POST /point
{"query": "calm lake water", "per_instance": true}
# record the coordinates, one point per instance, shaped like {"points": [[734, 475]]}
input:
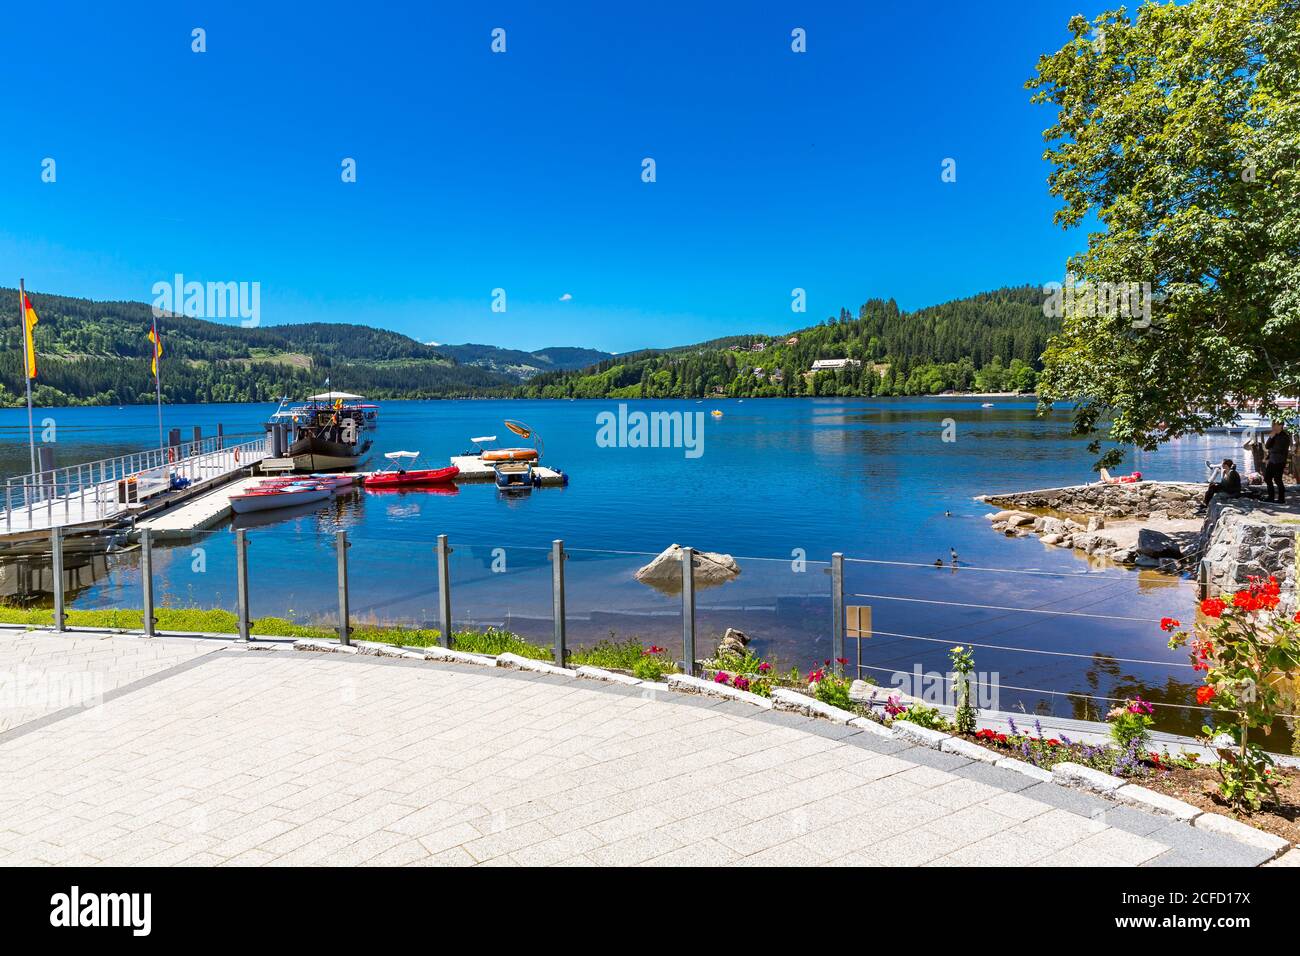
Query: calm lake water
{"points": [[778, 481]]}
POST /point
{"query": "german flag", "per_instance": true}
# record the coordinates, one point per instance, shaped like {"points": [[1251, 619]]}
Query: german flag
{"points": [[157, 346], [29, 323]]}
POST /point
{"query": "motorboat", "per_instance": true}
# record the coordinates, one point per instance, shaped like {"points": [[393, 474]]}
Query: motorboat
{"points": [[514, 475], [264, 499], [402, 475], [328, 439]]}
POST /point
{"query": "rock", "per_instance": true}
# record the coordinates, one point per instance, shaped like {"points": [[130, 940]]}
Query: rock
{"points": [[664, 573], [1096, 523], [1157, 544], [1145, 561], [733, 642], [1052, 539]]}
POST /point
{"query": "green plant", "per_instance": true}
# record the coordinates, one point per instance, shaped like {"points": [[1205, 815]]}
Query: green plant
{"points": [[609, 654], [830, 687], [652, 665], [1130, 725], [1250, 652], [924, 716], [963, 665], [493, 641]]}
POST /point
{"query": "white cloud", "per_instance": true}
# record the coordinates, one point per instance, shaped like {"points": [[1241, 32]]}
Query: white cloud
{"points": [[566, 297]]}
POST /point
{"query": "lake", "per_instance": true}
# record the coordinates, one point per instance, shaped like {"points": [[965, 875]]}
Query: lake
{"points": [[779, 484]]}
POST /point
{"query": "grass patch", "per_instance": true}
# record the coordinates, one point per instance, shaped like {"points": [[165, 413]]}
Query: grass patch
{"points": [[609, 655], [200, 620]]}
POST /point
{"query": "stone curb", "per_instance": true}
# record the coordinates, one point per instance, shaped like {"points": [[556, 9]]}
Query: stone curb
{"points": [[458, 657], [1077, 775], [918, 734], [791, 700], [528, 664], [1159, 802], [612, 677], [1218, 823], [873, 727], [685, 684], [1289, 858], [1025, 768], [964, 748]]}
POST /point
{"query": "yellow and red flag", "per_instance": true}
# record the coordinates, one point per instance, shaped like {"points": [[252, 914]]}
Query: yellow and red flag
{"points": [[157, 346], [29, 348]]}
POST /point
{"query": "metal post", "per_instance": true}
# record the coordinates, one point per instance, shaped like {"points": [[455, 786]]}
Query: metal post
{"points": [[837, 610], [56, 569], [688, 609], [341, 544], [146, 579], [444, 591], [241, 581], [557, 598]]}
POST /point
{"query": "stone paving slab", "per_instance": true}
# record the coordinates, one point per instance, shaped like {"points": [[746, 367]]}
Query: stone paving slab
{"points": [[42, 672], [327, 759]]}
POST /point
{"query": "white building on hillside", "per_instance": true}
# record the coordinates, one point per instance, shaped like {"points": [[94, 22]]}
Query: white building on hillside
{"points": [[825, 365]]}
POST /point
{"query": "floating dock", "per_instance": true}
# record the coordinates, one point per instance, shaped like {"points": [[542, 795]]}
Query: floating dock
{"points": [[197, 514], [474, 468]]}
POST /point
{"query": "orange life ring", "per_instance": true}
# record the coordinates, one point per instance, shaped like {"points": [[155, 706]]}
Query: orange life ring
{"points": [[236, 456], [510, 454], [171, 452]]}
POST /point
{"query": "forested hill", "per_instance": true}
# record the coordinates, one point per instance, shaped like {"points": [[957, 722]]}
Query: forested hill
{"points": [[96, 353], [987, 342]]}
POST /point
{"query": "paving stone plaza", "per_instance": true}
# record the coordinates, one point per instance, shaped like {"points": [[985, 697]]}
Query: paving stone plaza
{"points": [[199, 751]]}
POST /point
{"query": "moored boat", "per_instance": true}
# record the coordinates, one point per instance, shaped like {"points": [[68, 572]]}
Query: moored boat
{"points": [[514, 475], [402, 476], [264, 499]]}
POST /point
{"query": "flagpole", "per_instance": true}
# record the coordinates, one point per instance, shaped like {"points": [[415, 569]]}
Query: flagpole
{"points": [[157, 380], [27, 369]]}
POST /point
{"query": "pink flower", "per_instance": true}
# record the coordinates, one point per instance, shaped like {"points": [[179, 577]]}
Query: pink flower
{"points": [[741, 682], [764, 667], [721, 677]]}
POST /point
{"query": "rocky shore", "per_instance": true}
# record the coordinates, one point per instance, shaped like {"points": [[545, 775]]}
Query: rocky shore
{"points": [[1156, 525], [1145, 524]]}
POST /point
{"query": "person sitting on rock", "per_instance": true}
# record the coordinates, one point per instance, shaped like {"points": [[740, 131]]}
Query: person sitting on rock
{"points": [[1229, 484], [1108, 479]]}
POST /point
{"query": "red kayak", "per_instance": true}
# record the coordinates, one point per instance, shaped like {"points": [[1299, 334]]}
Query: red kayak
{"points": [[423, 476]]}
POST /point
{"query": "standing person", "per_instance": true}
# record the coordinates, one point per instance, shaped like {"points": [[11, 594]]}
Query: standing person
{"points": [[1278, 447]]}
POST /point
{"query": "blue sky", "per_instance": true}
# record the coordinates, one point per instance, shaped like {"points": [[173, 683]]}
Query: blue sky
{"points": [[522, 170]]}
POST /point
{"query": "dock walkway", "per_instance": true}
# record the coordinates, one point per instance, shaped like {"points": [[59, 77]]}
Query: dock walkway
{"points": [[474, 468], [112, 490]]}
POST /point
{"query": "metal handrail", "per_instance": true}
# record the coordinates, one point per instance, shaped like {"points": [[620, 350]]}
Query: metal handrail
{"points": [[89, 491]]}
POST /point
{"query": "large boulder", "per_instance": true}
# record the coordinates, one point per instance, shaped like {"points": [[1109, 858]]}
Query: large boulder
{"points": [[733, 643], [1157, 544], [664, 573]]}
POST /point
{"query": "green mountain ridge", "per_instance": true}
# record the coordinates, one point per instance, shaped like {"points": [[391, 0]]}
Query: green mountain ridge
{"points": [[989, 342], [96, 353]]}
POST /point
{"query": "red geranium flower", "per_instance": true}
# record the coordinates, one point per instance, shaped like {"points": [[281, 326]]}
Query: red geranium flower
{"points": [[1169, 623], [1212, 607], [1204, 694]]}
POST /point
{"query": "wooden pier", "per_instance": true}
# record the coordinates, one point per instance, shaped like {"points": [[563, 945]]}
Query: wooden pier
{"points": [[115, 491], [474, 468]]}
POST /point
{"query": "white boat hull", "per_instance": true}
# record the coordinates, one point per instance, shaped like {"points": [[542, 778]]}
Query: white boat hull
{"points": [[244, 504]]}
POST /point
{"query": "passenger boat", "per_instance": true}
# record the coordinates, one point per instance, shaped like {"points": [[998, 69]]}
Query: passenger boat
{"points": [[514, 475], [264, 499], [367, 413], [401, 475], [328, 438]]}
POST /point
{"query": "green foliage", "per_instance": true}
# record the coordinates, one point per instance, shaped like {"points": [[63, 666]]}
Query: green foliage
{"points": [[648, 663], [95, 353], [924, 716], [989, 342], [963, 665], [1177, 129], [493, 641], [1130, 726]]}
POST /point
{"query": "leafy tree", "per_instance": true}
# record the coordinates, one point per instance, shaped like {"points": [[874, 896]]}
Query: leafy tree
{"points": [[1178, 129]]}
